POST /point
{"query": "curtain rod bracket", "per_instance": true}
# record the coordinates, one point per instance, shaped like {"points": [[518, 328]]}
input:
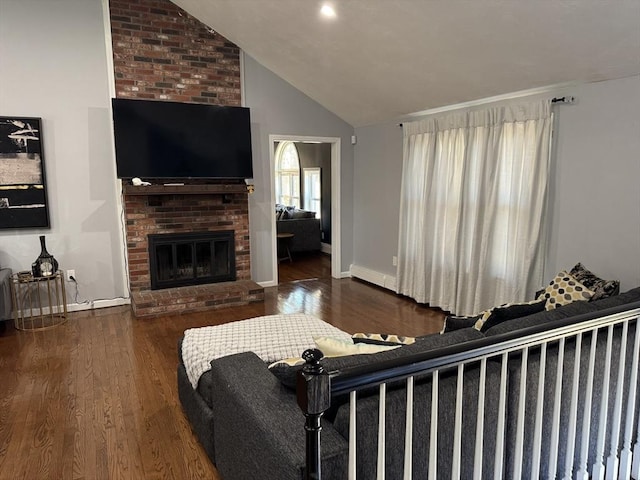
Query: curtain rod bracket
{"points": [[567, 99]]}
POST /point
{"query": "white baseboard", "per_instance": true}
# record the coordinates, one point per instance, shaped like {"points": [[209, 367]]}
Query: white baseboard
{"points": [[325, 248], [94, 304], [381, 279], [77, 307], [268, 283]]}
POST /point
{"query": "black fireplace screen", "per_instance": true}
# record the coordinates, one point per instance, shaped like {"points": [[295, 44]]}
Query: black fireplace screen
{"points": [[177, 260]]}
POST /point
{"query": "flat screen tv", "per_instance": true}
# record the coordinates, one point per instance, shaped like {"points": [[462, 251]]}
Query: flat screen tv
{"points": [[157, 139]]}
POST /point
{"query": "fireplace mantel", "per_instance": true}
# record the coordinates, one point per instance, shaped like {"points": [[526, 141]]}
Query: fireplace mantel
{"points": [[184, 189]]}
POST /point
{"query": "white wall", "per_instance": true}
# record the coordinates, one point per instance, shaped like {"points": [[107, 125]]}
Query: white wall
{"points": [[595, 190], [53, 65], [277, 108]]}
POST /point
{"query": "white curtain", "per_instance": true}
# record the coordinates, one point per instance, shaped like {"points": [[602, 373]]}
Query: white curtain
{"points": [[473, 200]]}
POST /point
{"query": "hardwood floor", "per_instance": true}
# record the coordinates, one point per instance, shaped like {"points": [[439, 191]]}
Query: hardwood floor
{"points": [[96, 398], [305, 266]]}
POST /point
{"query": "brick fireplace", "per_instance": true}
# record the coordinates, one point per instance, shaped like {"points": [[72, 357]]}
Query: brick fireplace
{"points": [[184, 209]]}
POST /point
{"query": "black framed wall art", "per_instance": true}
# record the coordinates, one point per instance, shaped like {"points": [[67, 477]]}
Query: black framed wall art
{"points": [[23, 193]]}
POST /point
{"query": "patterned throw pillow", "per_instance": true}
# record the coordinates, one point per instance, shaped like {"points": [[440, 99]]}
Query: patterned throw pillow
{"points": [[506, 312], [563, 290], [601, 288], [382, 339]]}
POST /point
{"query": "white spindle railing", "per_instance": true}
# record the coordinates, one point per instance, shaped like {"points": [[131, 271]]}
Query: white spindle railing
{"points": [[352, 435], [598, 468], [575, 448], [477, 460], [613, 460], [408, 433], [382, 424], [502, 408], [522, 404], [557, 400], [457, 431], [625, 454], [433, 432], [635, 469], [573, 411], [537, 432], [586, 419]]}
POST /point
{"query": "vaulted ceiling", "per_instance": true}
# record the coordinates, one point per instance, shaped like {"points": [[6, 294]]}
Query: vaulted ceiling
{"points": [[380, 59]]}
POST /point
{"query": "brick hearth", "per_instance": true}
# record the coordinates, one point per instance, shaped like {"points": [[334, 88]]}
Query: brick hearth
{"points": [[159, 209]]}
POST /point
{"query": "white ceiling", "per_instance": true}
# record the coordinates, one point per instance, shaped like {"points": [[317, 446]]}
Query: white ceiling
{"points": [[380, 59]]}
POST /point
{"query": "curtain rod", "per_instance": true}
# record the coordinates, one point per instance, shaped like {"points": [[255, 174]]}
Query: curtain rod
{"points": [[567, 99]]}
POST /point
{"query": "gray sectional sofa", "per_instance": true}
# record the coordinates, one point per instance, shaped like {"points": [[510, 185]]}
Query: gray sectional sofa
{"points": [[303, 224], [251, 427], [5, 298]]}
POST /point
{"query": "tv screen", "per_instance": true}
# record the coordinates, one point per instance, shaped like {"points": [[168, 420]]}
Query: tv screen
{"points": [[156, 139]]}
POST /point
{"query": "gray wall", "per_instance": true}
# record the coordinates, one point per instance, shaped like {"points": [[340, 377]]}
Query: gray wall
{"points": [[53, 64], [58, 70], [318, 155], [60, 63], [595, 195], [376, 192], [595, 216], [277, 108]]}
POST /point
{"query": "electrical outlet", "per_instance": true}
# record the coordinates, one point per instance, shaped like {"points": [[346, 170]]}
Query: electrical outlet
{"points": [[71, 273], [394, 260]]}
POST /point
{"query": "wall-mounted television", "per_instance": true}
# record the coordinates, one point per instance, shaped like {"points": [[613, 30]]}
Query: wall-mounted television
{"points": [[157, 139]]}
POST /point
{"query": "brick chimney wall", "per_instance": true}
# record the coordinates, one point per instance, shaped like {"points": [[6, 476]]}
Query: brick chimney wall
{"points": [[161, 52]]}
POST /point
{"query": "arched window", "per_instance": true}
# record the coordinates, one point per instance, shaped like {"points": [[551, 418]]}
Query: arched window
{"points": [[287, 175]]}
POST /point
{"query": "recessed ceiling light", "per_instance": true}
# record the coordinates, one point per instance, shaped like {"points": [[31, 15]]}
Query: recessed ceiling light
{"points": [[328, 11]]}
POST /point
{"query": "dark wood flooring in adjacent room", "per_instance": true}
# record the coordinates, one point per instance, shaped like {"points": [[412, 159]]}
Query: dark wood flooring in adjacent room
{"points": [[305, 266], [96, 398]]}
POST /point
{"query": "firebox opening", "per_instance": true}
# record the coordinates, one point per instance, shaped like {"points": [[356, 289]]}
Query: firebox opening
{"points": [[178, 260]]}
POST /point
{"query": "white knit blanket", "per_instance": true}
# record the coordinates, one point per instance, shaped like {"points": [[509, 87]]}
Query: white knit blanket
{"points": [[272, 338]]}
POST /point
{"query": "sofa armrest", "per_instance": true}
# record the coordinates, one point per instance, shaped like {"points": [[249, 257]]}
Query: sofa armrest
{"points": [[259, 428], [5, 294]]}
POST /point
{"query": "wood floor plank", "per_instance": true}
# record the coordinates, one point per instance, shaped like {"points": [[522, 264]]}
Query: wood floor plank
{"points": [[96, 397]]}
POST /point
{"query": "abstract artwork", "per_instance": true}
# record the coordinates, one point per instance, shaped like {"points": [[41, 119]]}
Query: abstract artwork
{"points": [[23, 195]]}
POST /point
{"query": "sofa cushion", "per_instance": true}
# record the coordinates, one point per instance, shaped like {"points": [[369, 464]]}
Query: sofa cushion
{"points": [[563, 290], [288, 374], [453, 323], [334, 347], [570, 310], [382, 339], [296, 214], [506, 312], [601, 288]]}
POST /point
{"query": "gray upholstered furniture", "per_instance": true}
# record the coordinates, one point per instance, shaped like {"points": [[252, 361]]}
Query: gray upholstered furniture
{"points": [[252, 428], [304, 226], [5, 298]]}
